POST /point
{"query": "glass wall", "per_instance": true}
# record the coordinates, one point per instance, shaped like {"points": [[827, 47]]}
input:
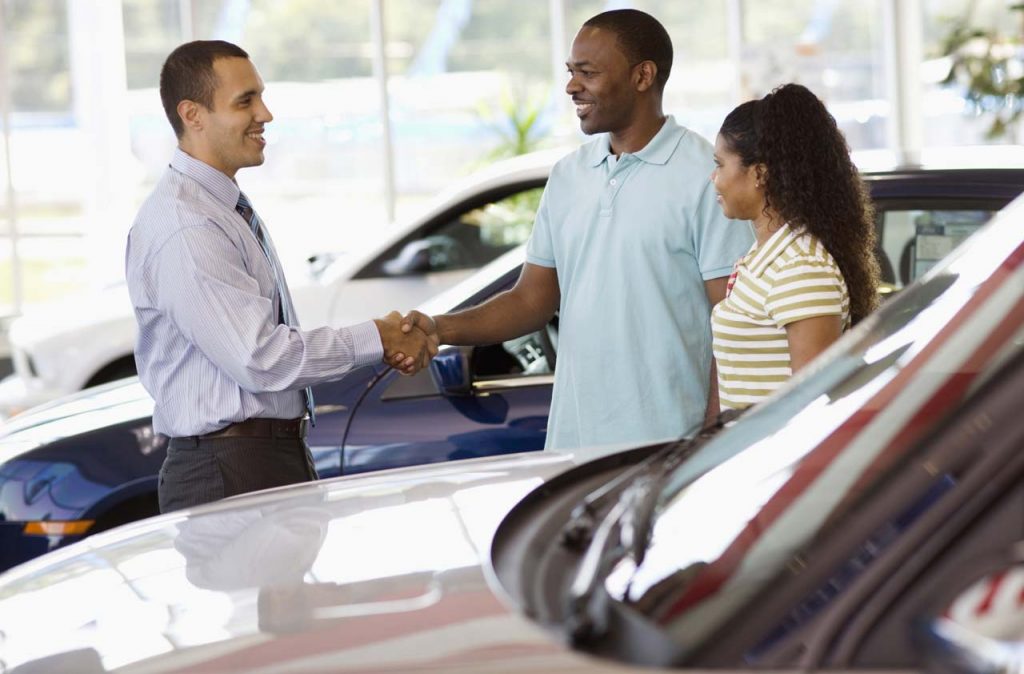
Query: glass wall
{"points": [[42, 198], [469, 81], [834, 48], [948, 118], [466, 78]]}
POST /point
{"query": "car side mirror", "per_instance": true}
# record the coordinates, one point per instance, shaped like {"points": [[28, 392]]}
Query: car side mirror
{"points": [[451, 372], [982, 630]]}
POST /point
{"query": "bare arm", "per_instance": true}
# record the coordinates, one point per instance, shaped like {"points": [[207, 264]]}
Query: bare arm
{"points": [[811, 336], [715, 289], [525, 308]]}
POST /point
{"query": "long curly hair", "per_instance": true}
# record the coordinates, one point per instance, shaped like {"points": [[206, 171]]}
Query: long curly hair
{"points": [[810, 181]]}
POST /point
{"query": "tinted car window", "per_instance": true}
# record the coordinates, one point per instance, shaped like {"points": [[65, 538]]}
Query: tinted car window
{"points": [[466, 240], [914, 240]]}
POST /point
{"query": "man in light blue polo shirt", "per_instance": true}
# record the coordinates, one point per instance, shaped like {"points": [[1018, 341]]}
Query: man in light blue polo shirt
{"points": [[631, 248]]}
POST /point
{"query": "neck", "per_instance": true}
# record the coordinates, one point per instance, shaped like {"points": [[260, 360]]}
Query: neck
{"points": [[637, 135], [194, 150], [766, 224]]}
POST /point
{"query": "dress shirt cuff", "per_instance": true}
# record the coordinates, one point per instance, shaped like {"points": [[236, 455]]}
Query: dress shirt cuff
{"points": [[366, 344]]}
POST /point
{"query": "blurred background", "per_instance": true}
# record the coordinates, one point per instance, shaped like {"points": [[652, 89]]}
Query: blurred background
{"points": [[380, 104]]}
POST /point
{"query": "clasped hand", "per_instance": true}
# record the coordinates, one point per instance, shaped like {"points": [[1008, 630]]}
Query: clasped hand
{"points": [[407, 350]]}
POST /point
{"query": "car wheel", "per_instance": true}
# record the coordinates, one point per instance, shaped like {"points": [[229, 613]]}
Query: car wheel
{"points": [[119, 369]]}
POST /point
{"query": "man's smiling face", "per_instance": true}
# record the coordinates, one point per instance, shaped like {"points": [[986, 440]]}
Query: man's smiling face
{"points": [[600, 82], [232, 131]]}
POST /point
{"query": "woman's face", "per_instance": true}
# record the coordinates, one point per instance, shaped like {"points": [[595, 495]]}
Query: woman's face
{"points": [[739, 193]]}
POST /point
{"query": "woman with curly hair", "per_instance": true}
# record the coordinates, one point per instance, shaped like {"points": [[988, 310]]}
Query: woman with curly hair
{"points": [[782, 163]]}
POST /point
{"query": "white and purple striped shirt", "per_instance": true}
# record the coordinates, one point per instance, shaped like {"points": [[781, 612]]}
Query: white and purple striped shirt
{"points": [[210, 349]]}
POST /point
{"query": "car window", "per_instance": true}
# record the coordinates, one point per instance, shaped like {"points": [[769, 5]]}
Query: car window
{"points": [[913, 240], [467, 239], [532, 354]]}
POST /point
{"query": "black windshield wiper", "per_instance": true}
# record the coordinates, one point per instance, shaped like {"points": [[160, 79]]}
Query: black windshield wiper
{"points": [[624, 530], [639, 520], [579, 530]]}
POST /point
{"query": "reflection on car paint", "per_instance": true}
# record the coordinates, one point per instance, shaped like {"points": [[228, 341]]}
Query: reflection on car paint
{"points": [[867, 552]]}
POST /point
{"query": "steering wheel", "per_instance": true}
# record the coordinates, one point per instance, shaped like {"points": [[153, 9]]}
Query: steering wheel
{"points": [[548, 338]]}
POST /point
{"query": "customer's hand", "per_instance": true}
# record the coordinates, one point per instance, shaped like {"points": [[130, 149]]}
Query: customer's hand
{"points": [[413, 322], [408, 351]]}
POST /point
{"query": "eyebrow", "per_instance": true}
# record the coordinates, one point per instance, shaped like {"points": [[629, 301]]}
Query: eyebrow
{"points": [[246, 94], [578, 64]]}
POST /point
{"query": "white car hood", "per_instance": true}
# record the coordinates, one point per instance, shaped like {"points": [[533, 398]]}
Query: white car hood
{"points": [[53, 321], [382, 573]]}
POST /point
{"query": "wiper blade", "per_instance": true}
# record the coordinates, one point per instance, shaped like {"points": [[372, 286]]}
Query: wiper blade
{"points": [[638, 521], [625, 529], [578, 531]]}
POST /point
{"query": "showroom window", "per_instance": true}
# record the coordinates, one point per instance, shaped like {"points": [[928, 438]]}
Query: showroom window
{"points": [[41, 203], [947, 118], [467, 82], [470, 82]]}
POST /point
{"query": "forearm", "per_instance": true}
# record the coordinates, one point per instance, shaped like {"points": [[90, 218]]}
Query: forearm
{"points": [[294, 358], [501, 318], [714, 404], [282, 358]]}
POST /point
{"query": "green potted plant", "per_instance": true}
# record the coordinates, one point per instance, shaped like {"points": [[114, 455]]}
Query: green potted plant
{"points": [[989, 65]]}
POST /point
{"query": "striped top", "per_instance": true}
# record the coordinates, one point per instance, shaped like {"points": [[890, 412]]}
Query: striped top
{"points": [[210, 348], [788, 279]]}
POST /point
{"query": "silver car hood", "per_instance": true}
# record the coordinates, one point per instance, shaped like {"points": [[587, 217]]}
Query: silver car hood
{"points": [[385, 573]]}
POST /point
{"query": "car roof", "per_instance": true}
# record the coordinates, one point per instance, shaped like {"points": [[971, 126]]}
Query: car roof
{"points": [[941, 158]]}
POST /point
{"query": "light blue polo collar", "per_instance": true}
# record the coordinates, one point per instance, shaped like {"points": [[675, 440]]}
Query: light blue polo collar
{"points": [[658, 151]]}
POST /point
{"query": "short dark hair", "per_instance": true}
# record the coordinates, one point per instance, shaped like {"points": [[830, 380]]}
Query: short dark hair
{"points": [[187, 75], [640, 36]]}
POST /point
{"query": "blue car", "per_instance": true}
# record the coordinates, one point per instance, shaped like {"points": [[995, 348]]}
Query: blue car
{"points": [[89, 462]]}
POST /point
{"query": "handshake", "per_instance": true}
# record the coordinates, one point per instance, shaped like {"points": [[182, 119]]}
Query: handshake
{"points": [[409, 342]]}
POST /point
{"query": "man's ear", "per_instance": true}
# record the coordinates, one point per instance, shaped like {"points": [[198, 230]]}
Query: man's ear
{"points": [[191, 116], [646, 75]]}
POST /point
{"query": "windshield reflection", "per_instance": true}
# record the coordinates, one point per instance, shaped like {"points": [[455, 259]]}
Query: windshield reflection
{"points": [[735, 515]]}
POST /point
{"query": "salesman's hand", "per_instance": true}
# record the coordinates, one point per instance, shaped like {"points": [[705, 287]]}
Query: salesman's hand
{"points": [[408, 351], [413, 322]]}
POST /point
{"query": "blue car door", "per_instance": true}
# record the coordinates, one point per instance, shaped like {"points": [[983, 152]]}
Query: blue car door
{"points": [[502, 409]]}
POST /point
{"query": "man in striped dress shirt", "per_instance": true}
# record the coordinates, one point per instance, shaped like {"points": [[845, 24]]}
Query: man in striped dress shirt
{"points": [[219, 348]]}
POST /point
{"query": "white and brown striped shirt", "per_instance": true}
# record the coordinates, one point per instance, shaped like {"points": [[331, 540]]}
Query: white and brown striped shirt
{"points": [[791, 277]]}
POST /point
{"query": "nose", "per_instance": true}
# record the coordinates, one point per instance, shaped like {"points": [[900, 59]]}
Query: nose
{"points": [[263, 113], [572, 86], [714, 175]]}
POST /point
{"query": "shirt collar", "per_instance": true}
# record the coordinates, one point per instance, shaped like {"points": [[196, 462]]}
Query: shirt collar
{"points": [[657, 151], [759, 259], [223, 188]]}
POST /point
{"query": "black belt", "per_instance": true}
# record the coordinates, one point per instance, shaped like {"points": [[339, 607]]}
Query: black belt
{"points": [[261, 428]]}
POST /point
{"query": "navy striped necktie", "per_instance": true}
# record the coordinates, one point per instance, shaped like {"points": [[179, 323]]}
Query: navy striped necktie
{"points": [[285, 312]]}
